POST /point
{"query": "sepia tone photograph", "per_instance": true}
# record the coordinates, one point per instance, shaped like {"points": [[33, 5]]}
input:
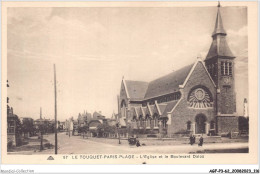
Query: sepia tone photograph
{"points": [[127, 80]]}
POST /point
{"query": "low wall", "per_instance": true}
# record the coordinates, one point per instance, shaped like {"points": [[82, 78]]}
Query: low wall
{"points": [[227, 124]]}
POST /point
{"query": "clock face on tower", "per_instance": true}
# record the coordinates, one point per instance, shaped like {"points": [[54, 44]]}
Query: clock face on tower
{"points": [[226, 80]]}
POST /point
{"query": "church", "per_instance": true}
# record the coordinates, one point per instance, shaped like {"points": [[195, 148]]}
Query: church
{"points": [[196, 99]]}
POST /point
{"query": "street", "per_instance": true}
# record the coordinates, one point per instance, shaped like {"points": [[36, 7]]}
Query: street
{"points": [[78, 145]]}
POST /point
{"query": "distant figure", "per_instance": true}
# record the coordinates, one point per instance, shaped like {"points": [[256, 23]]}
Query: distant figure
{"points": [[200, 141], [191, 140], [137, 143]]}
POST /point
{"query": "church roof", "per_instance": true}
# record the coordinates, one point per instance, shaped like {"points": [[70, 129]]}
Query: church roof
{"points": [[139, 111], [152, 108], [168, 83], [136, 89], [145, 109], [219, 46], [169, 107], [162, 107]]}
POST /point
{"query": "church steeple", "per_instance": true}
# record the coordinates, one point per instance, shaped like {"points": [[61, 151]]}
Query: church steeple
{"points": [[220, 65], [219, 46], [219, 29]]}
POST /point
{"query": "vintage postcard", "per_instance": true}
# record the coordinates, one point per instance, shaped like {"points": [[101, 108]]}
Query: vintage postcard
{"points": [[129, 83]]}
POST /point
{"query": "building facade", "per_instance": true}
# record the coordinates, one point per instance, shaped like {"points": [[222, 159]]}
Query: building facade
{"points": [[13, 128], [196, 99]]}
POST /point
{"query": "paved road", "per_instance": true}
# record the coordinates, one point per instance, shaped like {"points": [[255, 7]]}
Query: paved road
{"points": [[78, 145]]}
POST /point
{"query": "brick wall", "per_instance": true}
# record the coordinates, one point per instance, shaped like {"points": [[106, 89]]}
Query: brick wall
{"points": [[226, 97], [183, 113], [227, 124]]}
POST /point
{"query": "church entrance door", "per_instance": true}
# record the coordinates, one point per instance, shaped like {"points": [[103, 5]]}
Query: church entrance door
{"points": [[200, 124]]}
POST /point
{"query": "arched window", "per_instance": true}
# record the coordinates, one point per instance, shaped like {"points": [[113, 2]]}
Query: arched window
{"points": [[123, 108], [123, 103], [155, 120], [147, 120], [141, 120]]}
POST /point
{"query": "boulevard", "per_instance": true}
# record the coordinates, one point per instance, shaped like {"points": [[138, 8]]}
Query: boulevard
{"points": [[91, 145]]}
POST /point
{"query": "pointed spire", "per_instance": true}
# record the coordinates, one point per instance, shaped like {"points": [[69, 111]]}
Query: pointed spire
{"points": [[219, 29], [219, 46]]}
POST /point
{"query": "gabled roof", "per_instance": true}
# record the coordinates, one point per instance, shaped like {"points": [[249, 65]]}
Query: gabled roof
{"points": [[139, 111], [146, 111], [168, 83], [169, 107], [153, 109], [133, 111], [162, 107], [136, 89], [191, 71]]}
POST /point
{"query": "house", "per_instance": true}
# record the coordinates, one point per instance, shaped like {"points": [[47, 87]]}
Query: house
{"points": [[13, 128]]}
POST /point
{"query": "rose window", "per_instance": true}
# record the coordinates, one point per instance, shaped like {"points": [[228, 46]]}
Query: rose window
{"points": [[200, 98]]}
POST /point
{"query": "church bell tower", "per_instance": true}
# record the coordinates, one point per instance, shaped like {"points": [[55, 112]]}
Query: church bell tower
{"points": [[220, 65]]}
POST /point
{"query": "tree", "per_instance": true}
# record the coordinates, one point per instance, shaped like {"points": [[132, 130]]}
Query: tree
{"points": [[100, 130], [27, 126], [104, 129], [84, 130]]}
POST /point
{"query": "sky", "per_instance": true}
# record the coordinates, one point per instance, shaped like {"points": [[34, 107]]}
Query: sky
{"points": [[93, 48]]}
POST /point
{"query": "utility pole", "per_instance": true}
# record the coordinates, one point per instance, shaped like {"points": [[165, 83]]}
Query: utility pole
{"points": [[118, 128], [41, 129], [55, 101]]}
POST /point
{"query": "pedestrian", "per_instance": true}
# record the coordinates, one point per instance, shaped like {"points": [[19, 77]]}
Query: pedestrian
{"points": [[201, 141], [137, 143], [191, 139]]}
